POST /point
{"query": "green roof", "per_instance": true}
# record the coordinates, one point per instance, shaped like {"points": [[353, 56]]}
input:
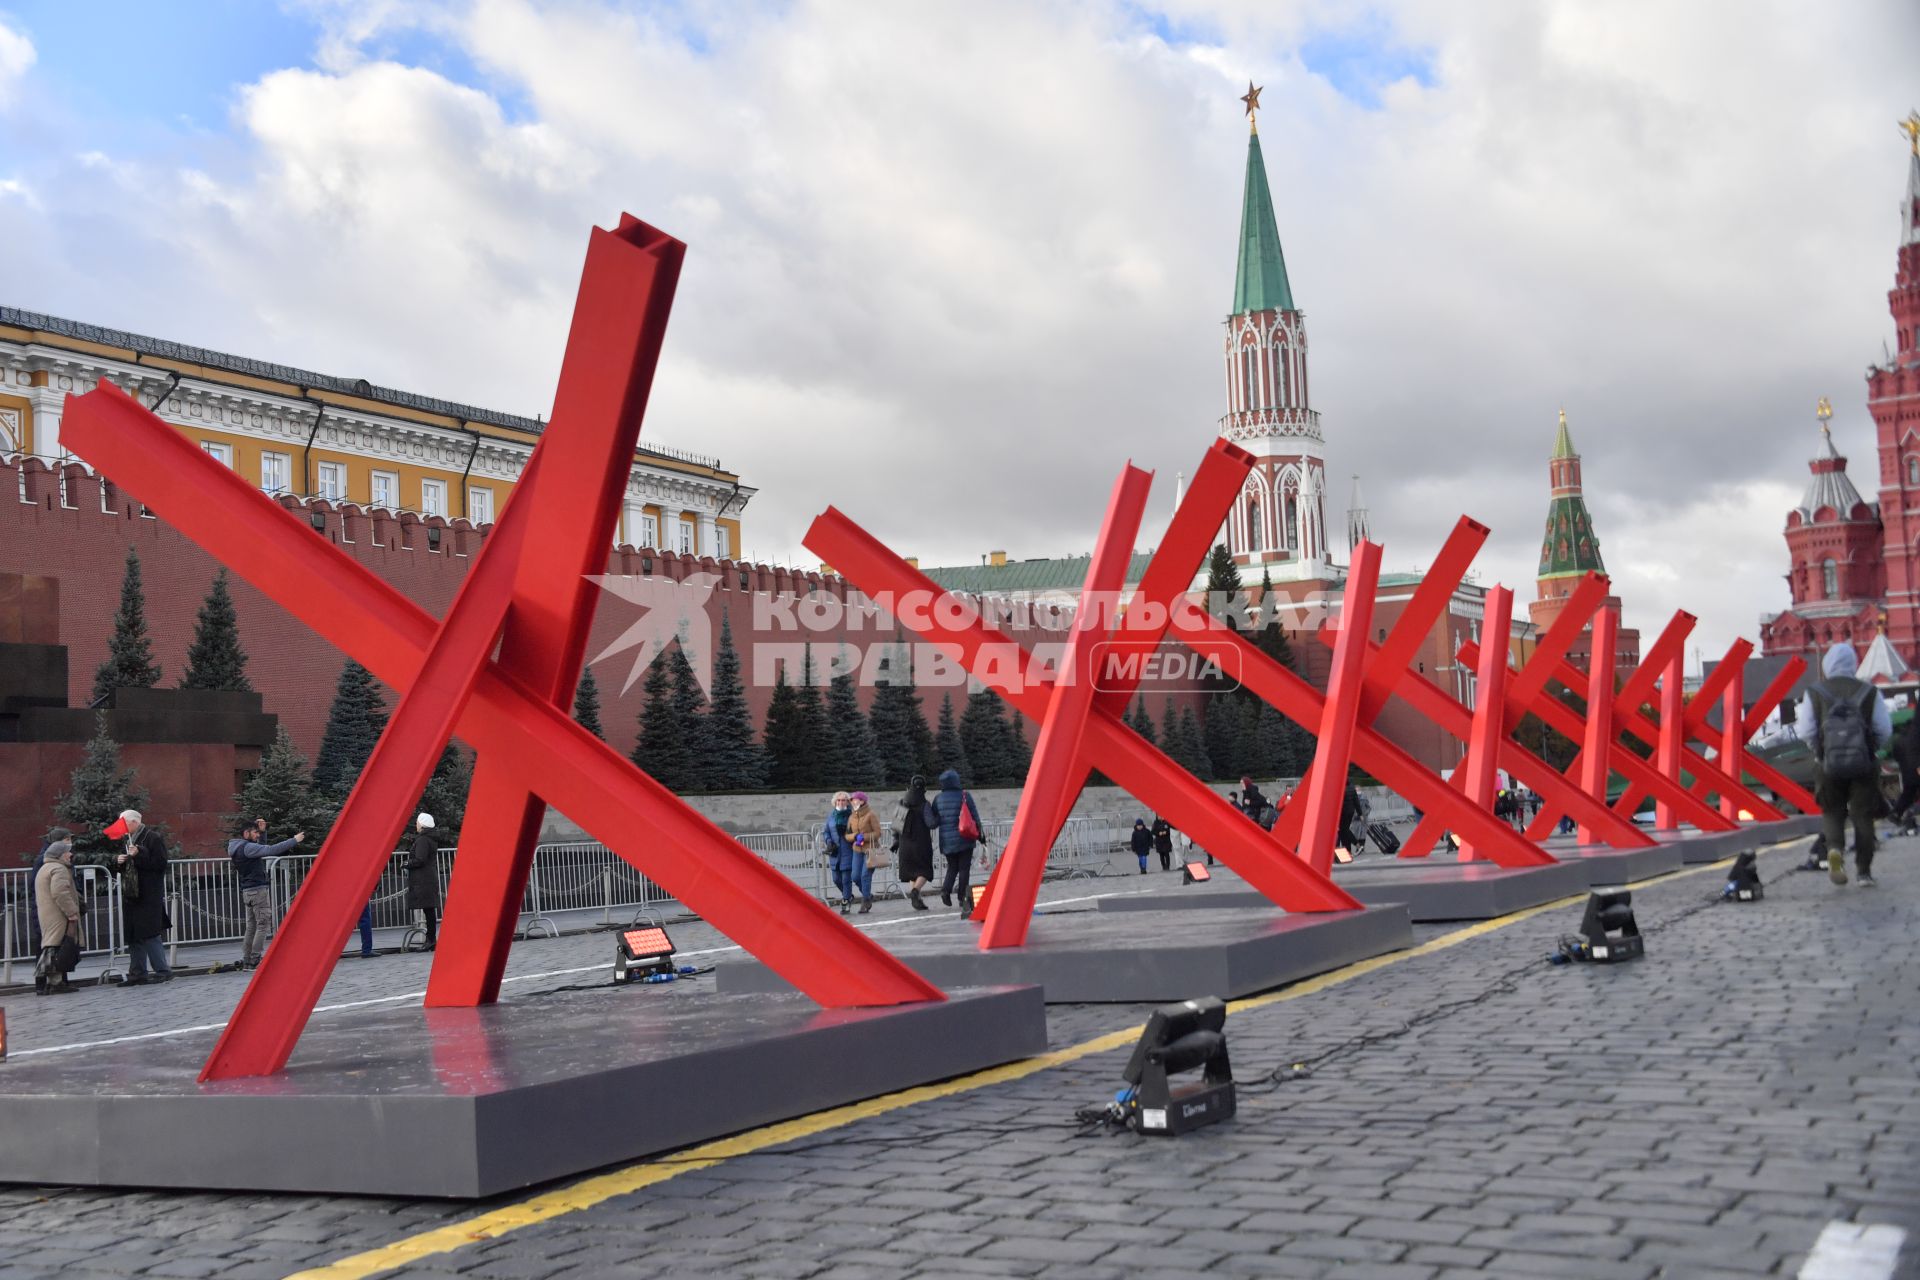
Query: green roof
{"points": [[1571, 547], [1260, 281], [1060, 573], [1563, 443]]}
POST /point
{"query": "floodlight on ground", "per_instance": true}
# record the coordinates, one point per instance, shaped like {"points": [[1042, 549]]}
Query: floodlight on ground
{"points": [[644, 951], [1194, 873], [1743, 882], [1189, 1036], [1608, 933]]}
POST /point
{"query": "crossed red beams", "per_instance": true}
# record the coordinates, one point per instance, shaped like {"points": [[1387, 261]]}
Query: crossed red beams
{"points": [[1081, 728], [527, 591]]}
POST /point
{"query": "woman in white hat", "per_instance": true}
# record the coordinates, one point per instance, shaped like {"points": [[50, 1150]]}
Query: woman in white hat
{"points": [[423, 876]]}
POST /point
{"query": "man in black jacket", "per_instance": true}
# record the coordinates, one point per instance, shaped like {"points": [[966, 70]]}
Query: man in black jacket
{"points": [[143, 898], [249, 855]]}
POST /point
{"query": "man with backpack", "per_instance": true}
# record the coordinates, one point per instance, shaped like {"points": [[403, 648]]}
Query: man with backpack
{"points": [[1845, 720]]}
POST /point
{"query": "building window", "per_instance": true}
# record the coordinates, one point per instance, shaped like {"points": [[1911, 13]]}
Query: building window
{"points": [[686, 538], [1913, 470], [479, 505], [386, 489], [433, 497], [1253, 525], [722, 543], [333, 481], [220, 453], [1830, 579], [1290, 515], [275, 470], [649, 531]]}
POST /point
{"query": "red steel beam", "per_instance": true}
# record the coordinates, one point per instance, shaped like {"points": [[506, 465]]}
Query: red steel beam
{"points": [[1666, 753], [619, 320], [1327, 779], [1111, 746], [1489, 711], [1599, 726], [1053, 779], [639, 820], [1733, 738], [1299, 701]]}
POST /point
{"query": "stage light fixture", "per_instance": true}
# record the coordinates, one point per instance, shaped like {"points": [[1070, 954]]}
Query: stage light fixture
{"points": [[1180, 1037], [645, 951], [1607, 931], [974, 894], [1743, 882], [1194, 872]]}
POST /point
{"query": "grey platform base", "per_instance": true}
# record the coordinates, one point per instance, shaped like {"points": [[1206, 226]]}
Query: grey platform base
{"points": [[1440, 891], [1606, 865], [1095, 957], [468, 1103], [1711, 846]]}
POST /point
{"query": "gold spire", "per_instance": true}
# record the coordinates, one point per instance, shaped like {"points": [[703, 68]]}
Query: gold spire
{"points": [[1252, 99], [1911, 127], [1563, 419], [1823, 410]]}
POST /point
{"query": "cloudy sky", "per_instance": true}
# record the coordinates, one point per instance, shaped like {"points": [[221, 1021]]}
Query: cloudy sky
{"points": [[950, 265]]}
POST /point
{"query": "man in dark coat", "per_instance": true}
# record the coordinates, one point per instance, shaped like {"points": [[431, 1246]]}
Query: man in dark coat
{"points": [[143, 912], [423, 876], [1163, 842], [944, 816]]}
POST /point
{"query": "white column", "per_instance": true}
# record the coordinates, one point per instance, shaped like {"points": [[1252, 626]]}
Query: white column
{"points": [[707, 534], [47, 405]]}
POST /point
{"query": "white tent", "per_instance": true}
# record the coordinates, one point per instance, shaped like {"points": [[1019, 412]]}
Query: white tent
{"points": [[1883, 665]]}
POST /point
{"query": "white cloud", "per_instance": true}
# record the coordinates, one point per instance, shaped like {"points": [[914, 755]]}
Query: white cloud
{"points": [[16, 59], [949, 266]]}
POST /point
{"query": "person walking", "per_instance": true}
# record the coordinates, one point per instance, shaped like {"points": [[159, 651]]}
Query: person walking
{"points": [[863, 831], [952, 813], [1142, 840], [57, 908], [249, 856], [838, 843], [1252, 799], [1845, 720], [913, 841], [1163, 841], [142, 868], [1906, 752], [423, 877]]}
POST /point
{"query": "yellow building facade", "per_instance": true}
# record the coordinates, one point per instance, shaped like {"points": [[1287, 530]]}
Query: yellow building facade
{"points": [[291, 431]]}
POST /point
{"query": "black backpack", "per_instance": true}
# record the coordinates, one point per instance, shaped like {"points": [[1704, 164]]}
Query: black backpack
{"points": [[1846, 737]]}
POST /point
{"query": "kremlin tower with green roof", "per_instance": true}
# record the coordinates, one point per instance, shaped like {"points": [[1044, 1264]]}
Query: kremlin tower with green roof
{"points": [[1570, 551], [1279, 522]]}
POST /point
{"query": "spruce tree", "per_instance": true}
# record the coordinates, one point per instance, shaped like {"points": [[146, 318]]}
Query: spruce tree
{"points": [[215, 660], [355, 722], [1222, 730], [788, 766], [983, 736], [1170, 731], [662, 749], [690, 708], [1142, 722], [586, 704], [948, 746], [900, 732], [1198, 762], [1019, 750], [445, 796], [810, 720], [280, 791], [734, 761], [129, 663], [1224, 588], [852, 760], [1270, 746], [96, 793]]}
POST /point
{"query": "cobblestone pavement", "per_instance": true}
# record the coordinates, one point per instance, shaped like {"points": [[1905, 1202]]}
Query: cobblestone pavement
{"points": [[1468, 1110]]}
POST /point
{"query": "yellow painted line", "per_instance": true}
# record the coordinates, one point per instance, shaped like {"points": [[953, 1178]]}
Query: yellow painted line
{"points": [[589, 1192]]}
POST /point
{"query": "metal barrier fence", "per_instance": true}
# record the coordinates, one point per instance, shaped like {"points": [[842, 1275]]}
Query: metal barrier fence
{"points": [[204, 898]]}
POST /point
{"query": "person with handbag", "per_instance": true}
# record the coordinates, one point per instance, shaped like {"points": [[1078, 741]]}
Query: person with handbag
{"points": [[837, 842], [863, 832], [142, 868], [953, 815], [57, 905]]}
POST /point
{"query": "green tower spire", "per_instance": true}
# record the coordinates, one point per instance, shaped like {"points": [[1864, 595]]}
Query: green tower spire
{"points": [[1571, 548], [1260, 282]]}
